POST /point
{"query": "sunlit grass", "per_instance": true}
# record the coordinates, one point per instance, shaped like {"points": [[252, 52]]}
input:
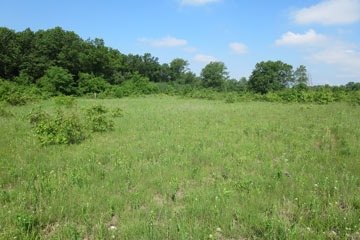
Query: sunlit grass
{"points": [[184, 168]]}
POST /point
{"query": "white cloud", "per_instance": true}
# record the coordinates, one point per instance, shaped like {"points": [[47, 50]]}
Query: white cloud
{"points": [[342, 55], [330, 12], [204, 58], [238, 48], [296, 39], [196, 2], [190, 49], [165, 42]]}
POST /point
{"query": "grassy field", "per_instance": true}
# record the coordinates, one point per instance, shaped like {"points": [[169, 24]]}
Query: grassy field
{"points": [[187, 169]]}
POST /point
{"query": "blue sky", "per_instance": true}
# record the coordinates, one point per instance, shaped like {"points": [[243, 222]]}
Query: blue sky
{"points": [[322, 35]]}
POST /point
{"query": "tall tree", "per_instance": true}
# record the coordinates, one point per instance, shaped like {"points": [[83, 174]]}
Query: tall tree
{"points": [[9, 53], [270, 76], [214, 75], [300, 75], [178, 67]]}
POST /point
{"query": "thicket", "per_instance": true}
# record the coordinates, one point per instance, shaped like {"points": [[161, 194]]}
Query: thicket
{"points": [[55, 62], [72, 126]]}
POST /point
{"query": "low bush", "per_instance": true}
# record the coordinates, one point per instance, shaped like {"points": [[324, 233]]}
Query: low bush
{"points": [[59, 129], [354, 98], [67, 101], [230, 98], [97, 119], [117, 112]]}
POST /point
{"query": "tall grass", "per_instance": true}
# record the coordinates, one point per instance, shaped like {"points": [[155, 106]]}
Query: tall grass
{"points": [[186, 169]]}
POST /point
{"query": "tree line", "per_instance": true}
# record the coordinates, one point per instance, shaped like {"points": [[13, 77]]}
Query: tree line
{"points": [[58, 62]]}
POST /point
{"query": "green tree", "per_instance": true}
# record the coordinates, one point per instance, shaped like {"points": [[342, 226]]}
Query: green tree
{"points": [[88, 83], [57, 81], [9, 53], [270, 76], [300, 75], [178, 67], [214, 75]]}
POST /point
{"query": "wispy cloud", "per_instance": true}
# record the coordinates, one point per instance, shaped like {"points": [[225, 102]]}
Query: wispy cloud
{"points": [[165, 42], [197, 2], [190, 49], [296, 39], [330, 12], [204, 58], [326, 50], [238, 48], [342, 55]]}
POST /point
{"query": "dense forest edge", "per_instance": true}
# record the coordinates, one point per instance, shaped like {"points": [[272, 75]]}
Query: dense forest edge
{"points": [[55, 62]]}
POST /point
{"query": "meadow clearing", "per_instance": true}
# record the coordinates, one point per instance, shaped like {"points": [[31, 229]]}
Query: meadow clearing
{"points": [[176, 168]]}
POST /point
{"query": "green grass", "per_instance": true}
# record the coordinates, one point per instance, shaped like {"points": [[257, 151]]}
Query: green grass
{"points": [[186, 169]]}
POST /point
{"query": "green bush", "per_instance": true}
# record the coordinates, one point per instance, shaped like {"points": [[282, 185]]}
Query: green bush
{"points": [[323, 97], [272, 97], [12, 93], [354, 98], [97, 120], [57, 81], [60, 129], [16, 98], [230, 98], [67, 101], [117, 112], [88, 83], [136, 85]]}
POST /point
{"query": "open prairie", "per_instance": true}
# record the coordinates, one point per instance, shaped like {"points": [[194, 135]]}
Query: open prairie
{"points": [[177, 168]]}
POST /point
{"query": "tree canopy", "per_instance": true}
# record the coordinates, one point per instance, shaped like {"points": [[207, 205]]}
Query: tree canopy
{"points": [[214, 75], [271, 76]]}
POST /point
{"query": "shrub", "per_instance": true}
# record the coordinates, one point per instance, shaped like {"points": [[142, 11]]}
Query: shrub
{"points": [[354, 98], [230, 98], [61, 129], [136, 85], [57, 81], [117, 112], [323, 97], [12, 93], [88, 83], [272, 97], [67, 101], [36, 115], [97, 119]]}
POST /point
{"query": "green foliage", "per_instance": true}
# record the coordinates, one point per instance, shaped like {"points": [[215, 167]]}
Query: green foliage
{"points": [[97, 120], [26, 223], [354, 98], [16, 98], [68, 101], [270, 76], [4, 112], [88, 83], [136, 85], [117, 112], [57, 81], [187, 168], [301, 76], [214, 75], [59, 129], [11, 93], [323, 97], [230, 97]]}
